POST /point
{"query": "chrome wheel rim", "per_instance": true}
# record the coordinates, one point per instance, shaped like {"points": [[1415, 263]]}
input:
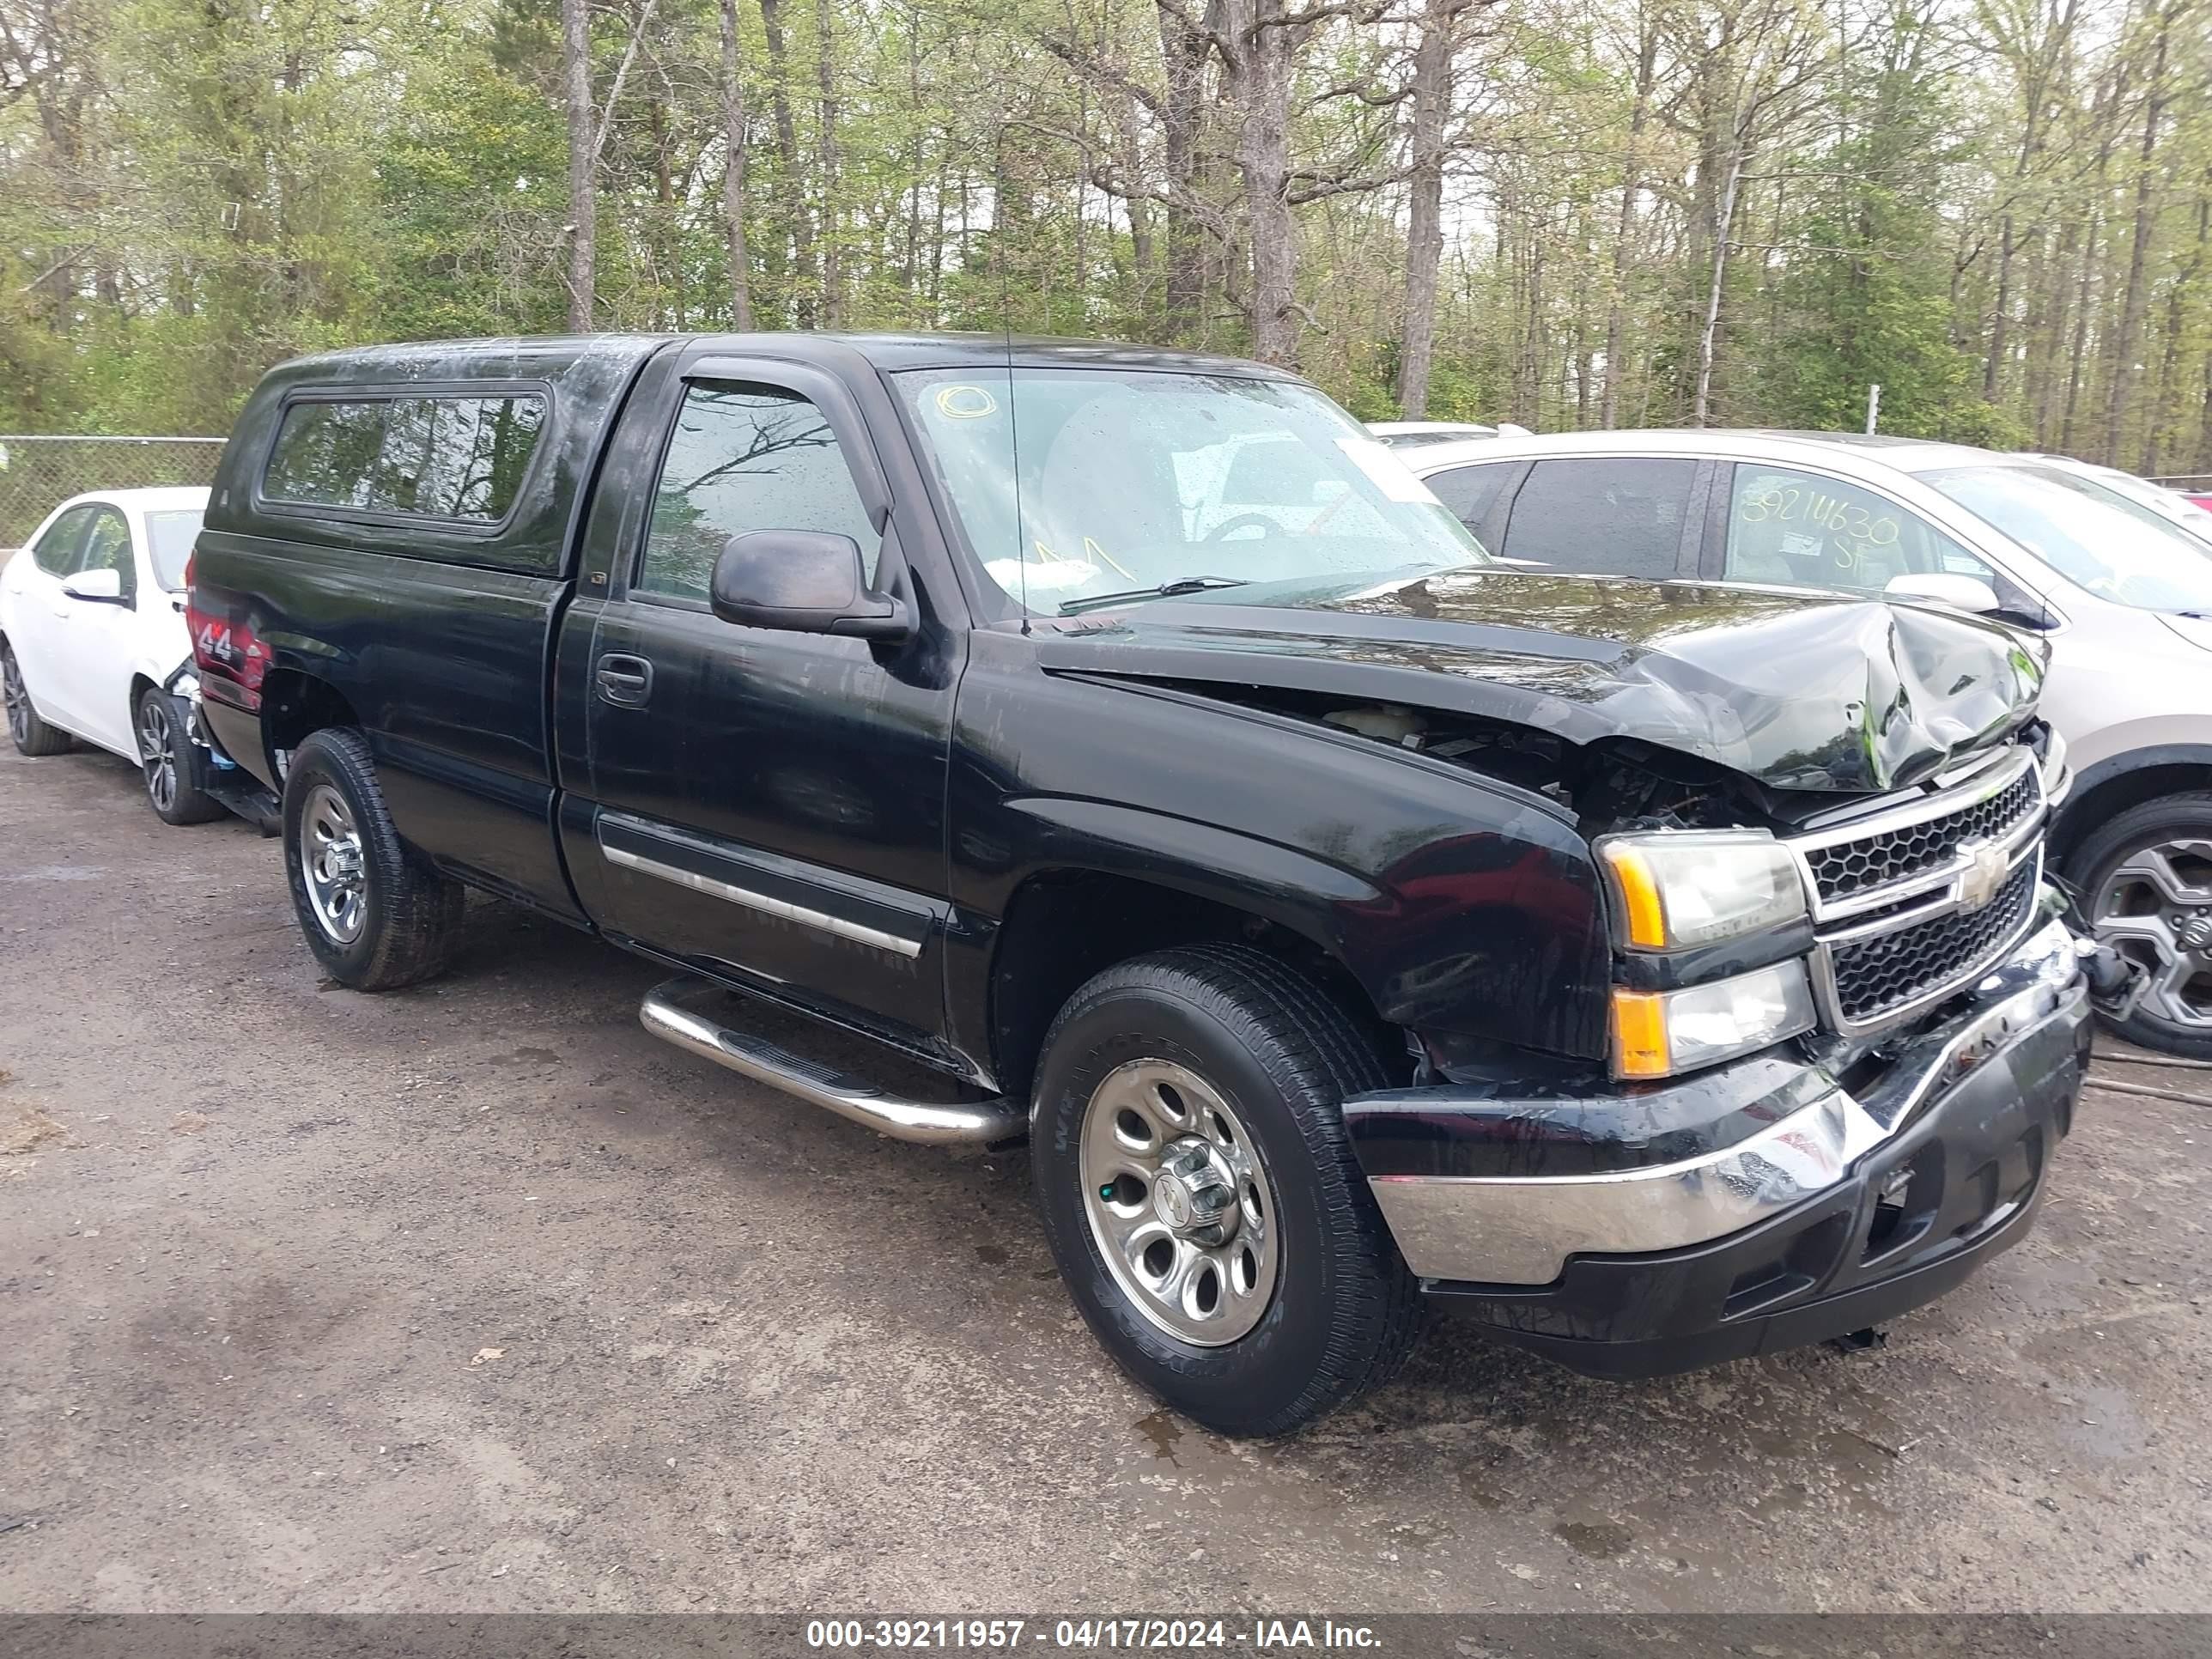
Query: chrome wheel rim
{"points": [[1179, 1202], [330, 856], [2155, 908], [157, 753], [18, 698]]}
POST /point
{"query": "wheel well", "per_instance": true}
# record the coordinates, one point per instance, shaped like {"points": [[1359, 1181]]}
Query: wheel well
{"points": [[1065, 927], [2083, 813], [295, 705], [140, 685]]}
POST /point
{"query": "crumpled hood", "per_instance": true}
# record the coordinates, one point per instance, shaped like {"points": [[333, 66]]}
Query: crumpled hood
{"points": [[1798, 691]]}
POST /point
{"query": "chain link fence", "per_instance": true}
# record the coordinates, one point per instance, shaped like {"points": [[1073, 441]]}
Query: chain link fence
{"points": [[37, 474]]}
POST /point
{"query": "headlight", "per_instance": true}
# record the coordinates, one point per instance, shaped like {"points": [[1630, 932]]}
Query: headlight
{"points": [[1659, 1033], [1694, 887]]}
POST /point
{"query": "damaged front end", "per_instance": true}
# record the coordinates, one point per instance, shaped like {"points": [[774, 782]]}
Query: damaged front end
{"points": [[1837, 1023], [1741, 1014], [1844, 1044], [1837, 1196]]}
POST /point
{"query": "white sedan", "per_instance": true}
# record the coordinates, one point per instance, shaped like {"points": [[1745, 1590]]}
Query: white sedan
{"points": [[93, 643]]}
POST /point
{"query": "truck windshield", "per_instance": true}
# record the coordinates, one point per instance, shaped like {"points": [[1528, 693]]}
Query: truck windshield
{"points": [[1131, 482], [2094, 536]]}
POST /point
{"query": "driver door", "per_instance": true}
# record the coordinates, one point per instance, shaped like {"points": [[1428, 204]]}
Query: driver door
{"points": [[768, 806]]}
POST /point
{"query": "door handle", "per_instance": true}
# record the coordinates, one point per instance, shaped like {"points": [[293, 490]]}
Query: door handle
{"points": [[625, 680]]}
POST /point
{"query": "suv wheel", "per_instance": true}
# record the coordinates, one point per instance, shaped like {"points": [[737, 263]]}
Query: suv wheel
{"points": [[375, 914], [170, 762], [1201, 1197], [32, 736], [2146, 886]]}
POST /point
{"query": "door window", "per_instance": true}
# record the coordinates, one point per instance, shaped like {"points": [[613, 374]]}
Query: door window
{"points": [[743, 457], [57, 550], [1610, 517], [1471, 491], [108, 547], [1805, 529]]}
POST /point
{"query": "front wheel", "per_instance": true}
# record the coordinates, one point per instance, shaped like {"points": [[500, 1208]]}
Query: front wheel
{"points": [[375, 914], [2145, 880], [171, 766], [32, 736], [1201, 1196]]}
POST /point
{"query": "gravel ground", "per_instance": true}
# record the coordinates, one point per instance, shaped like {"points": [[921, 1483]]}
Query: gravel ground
{"points": [[475, 1298]]}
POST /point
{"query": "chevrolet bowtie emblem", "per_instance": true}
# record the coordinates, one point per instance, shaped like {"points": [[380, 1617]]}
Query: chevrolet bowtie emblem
{"points": [[1985, 874]]}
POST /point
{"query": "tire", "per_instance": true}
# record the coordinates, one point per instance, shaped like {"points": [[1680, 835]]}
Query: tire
{"points": [[32, 736], [2121, 872], [377, 916], [1230, 1024], [170, 761]]}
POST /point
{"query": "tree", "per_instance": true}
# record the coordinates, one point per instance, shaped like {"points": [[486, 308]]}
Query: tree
{"points": [[733, 170], [1565, 211], [583, 226]]}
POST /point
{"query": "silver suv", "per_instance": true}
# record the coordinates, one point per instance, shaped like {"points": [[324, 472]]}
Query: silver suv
{"points": [[2123, 594]]}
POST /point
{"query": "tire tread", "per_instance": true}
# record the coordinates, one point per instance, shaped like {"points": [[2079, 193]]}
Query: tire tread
{"points": [[45, 739], [193, 804], [417, 912], [1262, 1003]]}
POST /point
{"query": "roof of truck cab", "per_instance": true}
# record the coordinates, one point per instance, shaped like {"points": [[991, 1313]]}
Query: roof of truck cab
{"points": [[431, 360], [898, 351], [436, 359]]}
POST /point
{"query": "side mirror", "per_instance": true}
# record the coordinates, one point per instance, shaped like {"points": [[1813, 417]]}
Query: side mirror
{"points": [[98, 587], [1946, 587], [803, 581]]}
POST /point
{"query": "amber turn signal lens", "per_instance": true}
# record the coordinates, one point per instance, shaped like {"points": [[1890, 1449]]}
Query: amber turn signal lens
{"points": [[1639, 1034], [1639, 894]]}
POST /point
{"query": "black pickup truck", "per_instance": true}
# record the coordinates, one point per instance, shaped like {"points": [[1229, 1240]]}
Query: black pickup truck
{"points": [[1661, 973]]}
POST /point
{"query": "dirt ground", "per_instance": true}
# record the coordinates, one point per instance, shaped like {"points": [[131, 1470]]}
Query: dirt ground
{"points": [[476, 1297]]}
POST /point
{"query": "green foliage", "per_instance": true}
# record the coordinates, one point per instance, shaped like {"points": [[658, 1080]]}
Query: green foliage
{"points": [[190, 190]]}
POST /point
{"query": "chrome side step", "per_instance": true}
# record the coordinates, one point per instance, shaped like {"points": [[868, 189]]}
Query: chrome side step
{"points": [[672, 1013]]}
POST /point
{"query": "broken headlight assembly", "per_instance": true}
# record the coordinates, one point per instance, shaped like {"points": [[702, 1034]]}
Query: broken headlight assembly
{"points": [[2058, 778], [1678, 890], [1688, 887]]}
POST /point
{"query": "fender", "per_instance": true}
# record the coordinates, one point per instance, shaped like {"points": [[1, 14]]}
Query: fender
{"points": [[157, 673], [1489, 935], [2076, 816], [1279, 883]]}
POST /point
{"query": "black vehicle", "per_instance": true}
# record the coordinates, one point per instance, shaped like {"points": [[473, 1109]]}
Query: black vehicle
{"points": [[1662, 974]]}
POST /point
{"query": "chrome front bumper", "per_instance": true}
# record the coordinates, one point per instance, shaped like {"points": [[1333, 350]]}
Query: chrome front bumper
{"points": [[1521, 1230]]}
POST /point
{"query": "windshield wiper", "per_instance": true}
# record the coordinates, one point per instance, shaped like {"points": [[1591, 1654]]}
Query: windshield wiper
{"points": [[1179, 585]]}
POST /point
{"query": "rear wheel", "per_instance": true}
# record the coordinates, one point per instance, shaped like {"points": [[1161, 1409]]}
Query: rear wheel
{"points": [[1201, 1197], [2146, 886], [376, 914], [170, 762], [32, 736]]}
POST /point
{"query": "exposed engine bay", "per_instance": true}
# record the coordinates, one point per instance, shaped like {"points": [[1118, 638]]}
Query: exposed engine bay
{"points": [[1617, 784]]}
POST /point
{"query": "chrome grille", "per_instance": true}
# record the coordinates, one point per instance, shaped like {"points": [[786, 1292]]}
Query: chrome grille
{"points": [[1847, 868], [1874, 979], [1913, 902]]}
